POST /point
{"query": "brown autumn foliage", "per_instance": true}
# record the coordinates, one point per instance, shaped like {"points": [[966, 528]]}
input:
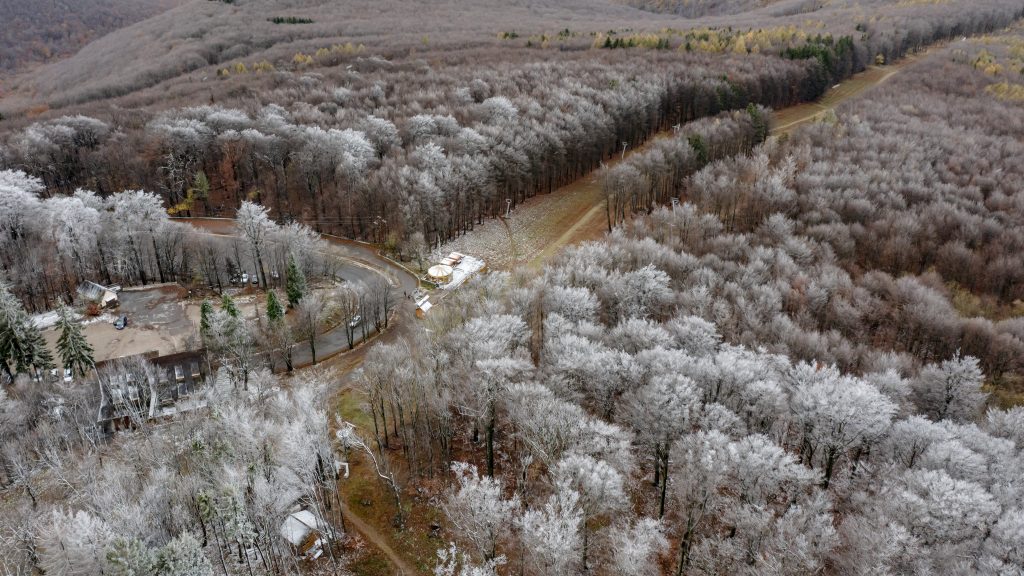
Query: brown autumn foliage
{"points": [[40, 32]]}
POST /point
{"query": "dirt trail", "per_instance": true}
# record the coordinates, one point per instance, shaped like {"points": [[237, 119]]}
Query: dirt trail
{"points": [[592, 223], [588, 227], [376, 539], [788, 119]]}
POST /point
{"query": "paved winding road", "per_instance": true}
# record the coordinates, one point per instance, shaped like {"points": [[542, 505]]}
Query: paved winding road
{"points": [[360, 263]]}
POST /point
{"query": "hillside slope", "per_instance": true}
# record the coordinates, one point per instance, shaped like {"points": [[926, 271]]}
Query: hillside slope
{"points": [[699, 8], [201, 35], [44, 30]]}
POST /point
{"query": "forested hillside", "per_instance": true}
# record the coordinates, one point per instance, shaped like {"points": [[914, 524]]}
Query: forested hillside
{"points": [[900, 228], [765, 378], [792, 353], [698, 8], [177, 49], [43, 30], [409, 153]]}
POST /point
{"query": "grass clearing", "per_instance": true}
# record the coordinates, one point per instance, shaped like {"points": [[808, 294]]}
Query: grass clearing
{"points": [[533, 229], [367, 497]]}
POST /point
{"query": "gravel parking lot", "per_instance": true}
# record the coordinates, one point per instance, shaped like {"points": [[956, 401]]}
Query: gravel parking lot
{"points": [[158, 320]]}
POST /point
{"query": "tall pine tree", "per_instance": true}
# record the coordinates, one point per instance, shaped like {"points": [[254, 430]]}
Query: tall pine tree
{"points": [[37, 355], [294, 283], [205, 314], [274, 310], [281, 333], [21, 344], [75, 352], [9, 309], [227, 304], [130, 557]]}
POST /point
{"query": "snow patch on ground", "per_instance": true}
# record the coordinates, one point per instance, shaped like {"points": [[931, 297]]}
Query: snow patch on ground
{"points": [[46, 319], [466, 268], [49, 319]]}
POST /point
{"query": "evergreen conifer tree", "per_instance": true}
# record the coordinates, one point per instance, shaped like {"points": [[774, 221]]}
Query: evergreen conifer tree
{"points": [[275, 313], [21, 344], [183, 556], [227, 304], [205, 313], [75, 352], [37, 356], [294, 283], [129, 557]]}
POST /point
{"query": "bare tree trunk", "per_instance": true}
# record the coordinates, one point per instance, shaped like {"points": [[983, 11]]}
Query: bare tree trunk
{"points": [[490, 440]]}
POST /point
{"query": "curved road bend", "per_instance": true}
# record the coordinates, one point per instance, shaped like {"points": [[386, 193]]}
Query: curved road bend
{"points": [[360, 263]]}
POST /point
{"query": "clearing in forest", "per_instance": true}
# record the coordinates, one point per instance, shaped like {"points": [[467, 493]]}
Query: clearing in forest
{"points": [[540, 227]]}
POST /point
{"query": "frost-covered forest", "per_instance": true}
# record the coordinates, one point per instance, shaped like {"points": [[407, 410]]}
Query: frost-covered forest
{"points": [[49, 245], [342, 138], [794, 351], [857, 232], [753, 382]]}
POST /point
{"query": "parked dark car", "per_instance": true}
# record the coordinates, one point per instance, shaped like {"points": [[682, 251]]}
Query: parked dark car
{"points": [[121, 322]]}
